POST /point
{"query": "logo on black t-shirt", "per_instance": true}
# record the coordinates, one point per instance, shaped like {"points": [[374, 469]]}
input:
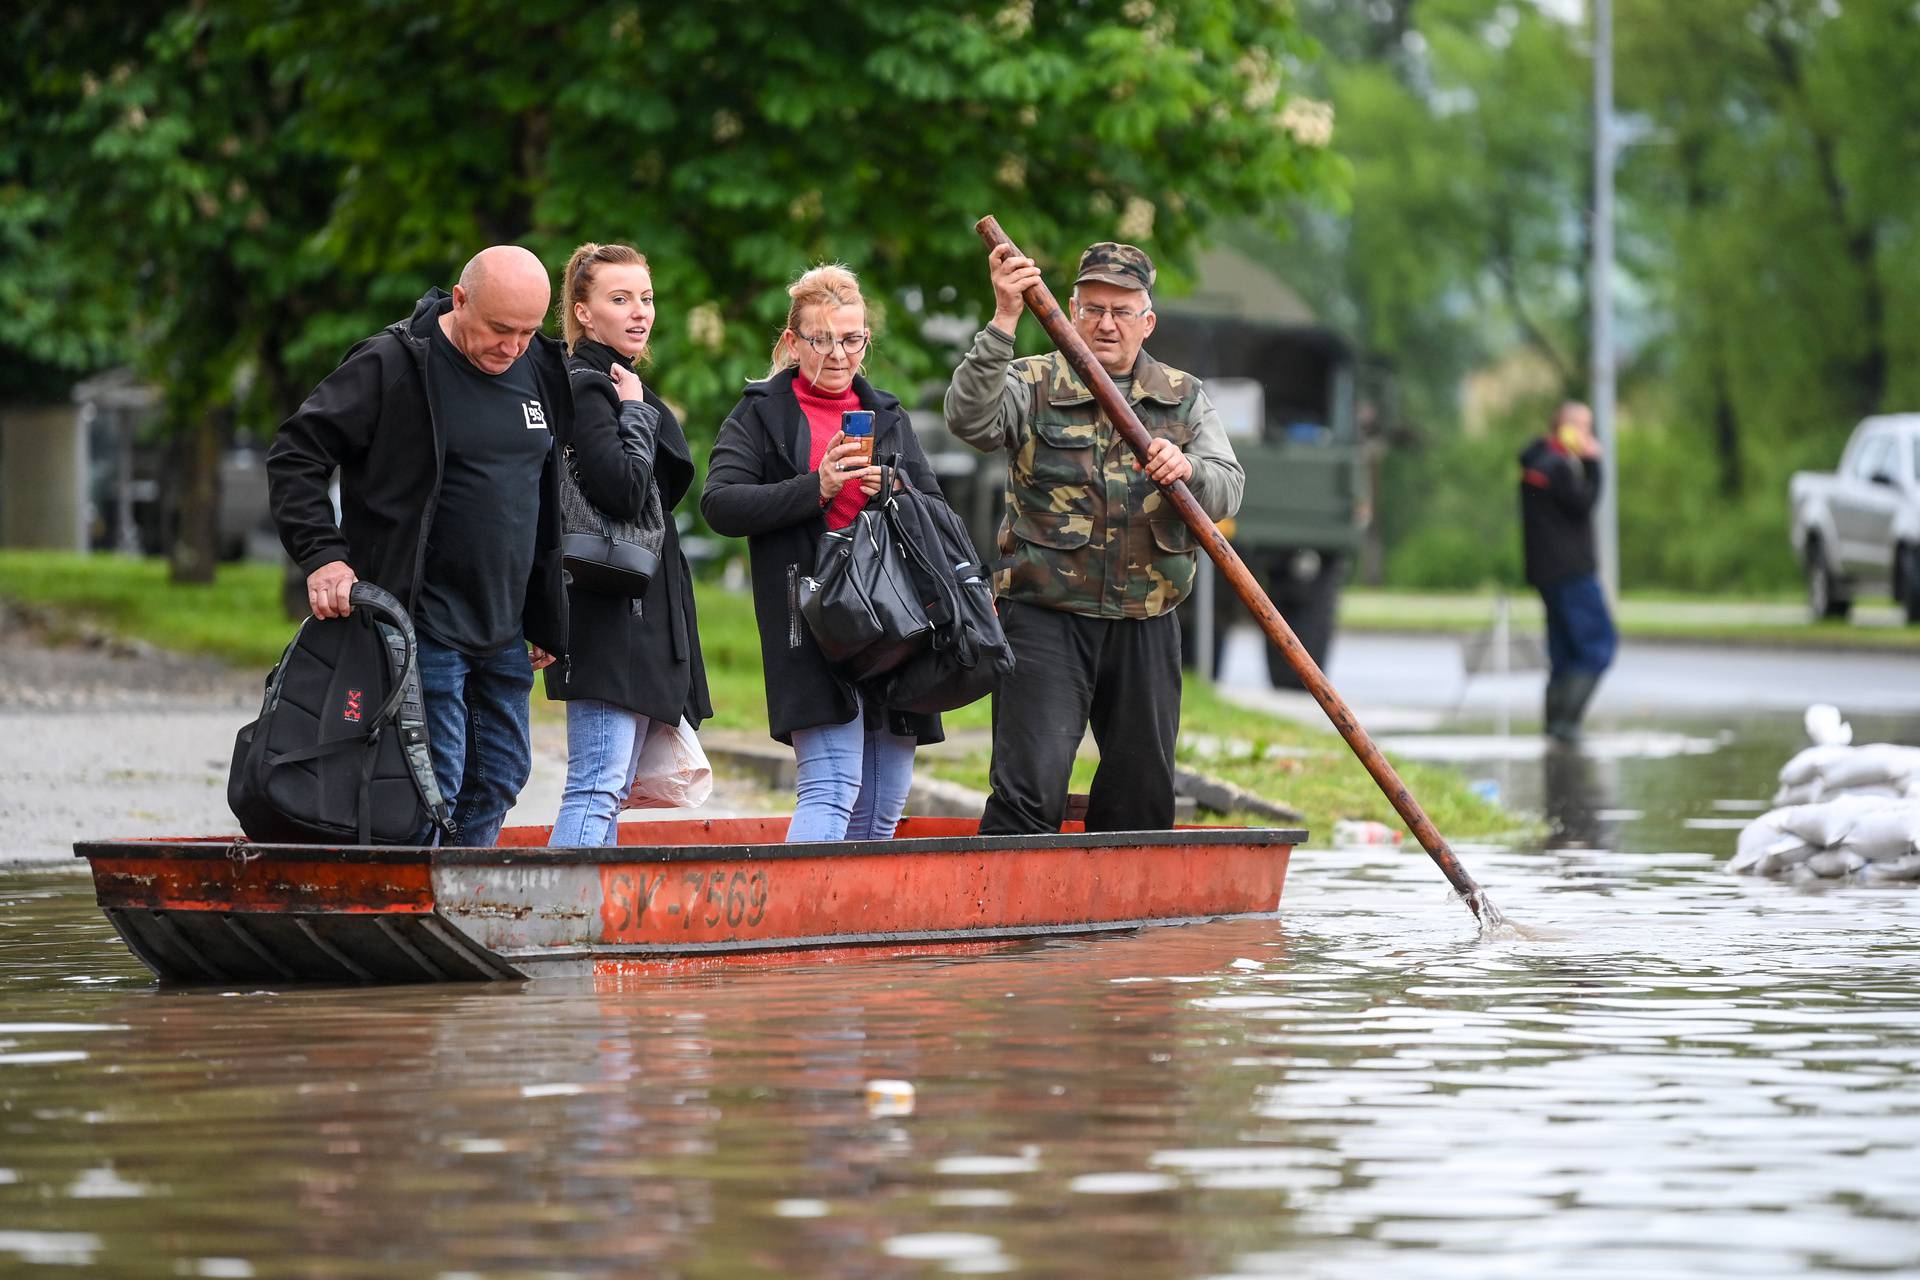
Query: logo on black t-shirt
{"points": [[536, 415]]}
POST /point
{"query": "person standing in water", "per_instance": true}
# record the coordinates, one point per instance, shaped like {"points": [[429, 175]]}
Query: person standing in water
{"points": [[1559, 484]]}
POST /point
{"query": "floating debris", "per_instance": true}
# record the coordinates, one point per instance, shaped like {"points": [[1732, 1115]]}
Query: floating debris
{"points": [[889, 1098]]}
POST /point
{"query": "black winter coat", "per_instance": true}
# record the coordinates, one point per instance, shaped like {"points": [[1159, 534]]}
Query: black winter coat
{"points": [[646, 660], [759, 487], [372, 418], [1557, 494]]}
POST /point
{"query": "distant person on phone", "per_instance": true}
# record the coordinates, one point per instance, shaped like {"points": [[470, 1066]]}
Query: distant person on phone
{"points": [[1559, 483], [782, 473], [442, 428]]}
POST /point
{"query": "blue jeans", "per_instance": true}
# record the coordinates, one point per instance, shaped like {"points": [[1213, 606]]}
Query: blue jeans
{"points": [[1580, 634], [851, 782], [603, 748], [477, 721]]}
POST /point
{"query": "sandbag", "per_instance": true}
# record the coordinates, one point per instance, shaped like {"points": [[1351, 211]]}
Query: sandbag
{"points": [[1820, 772], [1831, 864], [1831, 839], [1765, 849], [1827, 823], [1900, 869], [1885, 834]]}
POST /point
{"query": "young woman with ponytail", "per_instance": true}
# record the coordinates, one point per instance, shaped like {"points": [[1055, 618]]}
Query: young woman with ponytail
{"points": [[782, 474], [629, 663]]}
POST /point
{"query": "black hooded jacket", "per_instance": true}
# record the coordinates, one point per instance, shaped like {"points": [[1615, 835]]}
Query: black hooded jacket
{"points": [[647, 661], [373, 419], [761, 488], [1557, 493]]}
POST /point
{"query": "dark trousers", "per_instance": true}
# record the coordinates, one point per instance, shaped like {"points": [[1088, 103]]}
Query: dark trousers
{"points": [[1122, 676], [1580, 635]]}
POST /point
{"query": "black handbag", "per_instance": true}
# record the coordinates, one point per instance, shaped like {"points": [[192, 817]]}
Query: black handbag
{"points": [[861, 602], [598, 552], [968, 653]]}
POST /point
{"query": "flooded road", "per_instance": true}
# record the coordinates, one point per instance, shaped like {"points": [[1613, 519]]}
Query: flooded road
{"points": [[1700, 1075]]}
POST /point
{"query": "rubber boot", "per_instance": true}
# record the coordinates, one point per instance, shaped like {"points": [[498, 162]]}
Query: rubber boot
{"points": [[1567, 698], [1554, 718]]}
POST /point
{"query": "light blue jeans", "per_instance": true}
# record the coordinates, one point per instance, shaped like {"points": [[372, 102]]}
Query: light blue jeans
{"points": [[851, 782], [603, 748]]}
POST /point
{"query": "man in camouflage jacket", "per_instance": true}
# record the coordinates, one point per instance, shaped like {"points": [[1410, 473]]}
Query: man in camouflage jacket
{"points": [[1094, 556]]}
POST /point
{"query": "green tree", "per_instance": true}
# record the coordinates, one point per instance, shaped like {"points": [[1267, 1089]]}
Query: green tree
{"points": [[1770, 288], [1465, 124], [276, 178], [1781, 187], [158, 208], [1465, 239]]}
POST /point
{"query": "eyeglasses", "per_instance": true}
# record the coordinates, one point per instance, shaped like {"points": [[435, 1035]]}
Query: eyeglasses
{"points": [[1121, 315], [824, 343]]}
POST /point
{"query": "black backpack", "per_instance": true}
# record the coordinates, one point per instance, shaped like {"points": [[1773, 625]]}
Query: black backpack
{"points": [[968, 652], [339, 754]]}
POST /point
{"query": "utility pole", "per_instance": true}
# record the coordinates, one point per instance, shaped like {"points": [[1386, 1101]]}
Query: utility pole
{"points": [[1600, 306]]}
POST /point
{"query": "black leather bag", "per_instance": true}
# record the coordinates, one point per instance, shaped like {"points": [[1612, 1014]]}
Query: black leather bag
{"points": [[862, 602], [598, 552], [968, 652]]}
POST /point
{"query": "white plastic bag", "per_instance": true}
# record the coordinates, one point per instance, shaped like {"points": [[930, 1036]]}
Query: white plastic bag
{"points": [[673, 772]]}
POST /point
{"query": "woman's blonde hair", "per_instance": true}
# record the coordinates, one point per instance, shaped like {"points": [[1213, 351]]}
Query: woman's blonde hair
{"points": [[578, 284], [828, 285]]}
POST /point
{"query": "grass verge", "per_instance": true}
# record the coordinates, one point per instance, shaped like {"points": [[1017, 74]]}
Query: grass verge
{"points": [[238, 619]]}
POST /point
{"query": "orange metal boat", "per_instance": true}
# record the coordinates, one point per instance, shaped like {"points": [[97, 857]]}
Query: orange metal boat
{"points": [[671, 895]]}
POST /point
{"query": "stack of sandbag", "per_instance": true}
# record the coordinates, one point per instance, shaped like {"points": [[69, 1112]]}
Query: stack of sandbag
{"points": [[1876, 769], [1870, 837]]}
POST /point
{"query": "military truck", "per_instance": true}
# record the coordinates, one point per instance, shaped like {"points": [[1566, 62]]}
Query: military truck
{"points": [[1287, 395]]}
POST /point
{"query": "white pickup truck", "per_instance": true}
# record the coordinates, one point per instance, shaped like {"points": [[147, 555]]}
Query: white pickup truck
{"points": [[1857, 530]]}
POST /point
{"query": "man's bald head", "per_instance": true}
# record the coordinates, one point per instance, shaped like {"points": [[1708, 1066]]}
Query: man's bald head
{"points": [[1572, 413], [508, 265], [499, 304]]}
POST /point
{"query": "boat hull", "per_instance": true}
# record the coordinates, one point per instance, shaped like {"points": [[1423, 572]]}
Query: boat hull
{"points": [[671, 896]]}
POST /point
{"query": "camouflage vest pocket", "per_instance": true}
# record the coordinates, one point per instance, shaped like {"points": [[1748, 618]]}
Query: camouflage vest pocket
{"points": [[1062, 452], [1168, 576], [1061, 530], [1173, 536], [1054, 476]]}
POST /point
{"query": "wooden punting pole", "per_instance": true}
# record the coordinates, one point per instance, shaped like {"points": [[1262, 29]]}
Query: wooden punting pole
{"points": [[1040, 301]]}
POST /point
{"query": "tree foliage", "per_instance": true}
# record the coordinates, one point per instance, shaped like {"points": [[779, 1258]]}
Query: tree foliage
{"points": [[230, 194], [1767, 219]]}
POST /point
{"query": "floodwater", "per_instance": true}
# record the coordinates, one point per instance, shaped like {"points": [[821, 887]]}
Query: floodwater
{"points": [[1698, 1075]]}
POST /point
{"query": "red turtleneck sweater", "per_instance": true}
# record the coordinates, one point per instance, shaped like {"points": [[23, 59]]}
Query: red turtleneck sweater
{"points": [[823, 420]]}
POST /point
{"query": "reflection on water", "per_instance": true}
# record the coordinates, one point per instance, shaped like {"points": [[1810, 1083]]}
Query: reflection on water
{"points": [[1701, 1075], [1573, 796]]}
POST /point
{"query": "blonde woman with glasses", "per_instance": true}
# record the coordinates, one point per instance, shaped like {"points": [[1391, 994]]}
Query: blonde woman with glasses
{"points": [[782, 474]]}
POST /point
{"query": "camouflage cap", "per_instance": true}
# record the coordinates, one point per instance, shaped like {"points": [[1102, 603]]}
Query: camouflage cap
{"points": [[1121, 264]]}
